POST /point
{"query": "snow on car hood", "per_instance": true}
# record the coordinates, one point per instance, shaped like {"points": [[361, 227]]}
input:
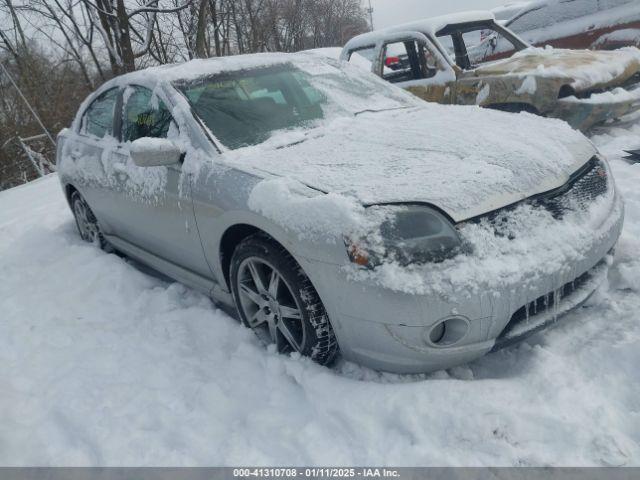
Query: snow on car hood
{"points": [[465, 160], [584, 68]]}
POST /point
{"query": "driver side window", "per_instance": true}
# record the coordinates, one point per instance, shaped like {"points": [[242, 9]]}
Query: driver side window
{"points": [[487, 45], [471, 46], [144, 115], [406, 61]]}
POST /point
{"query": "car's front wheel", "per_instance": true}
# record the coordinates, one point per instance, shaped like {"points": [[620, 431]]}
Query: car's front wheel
{"points": [[275, 298]]}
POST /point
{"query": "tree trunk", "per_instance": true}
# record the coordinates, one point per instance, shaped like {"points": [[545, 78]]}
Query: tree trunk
{"points": [[124, 38], [216, 27], [201, 30]]}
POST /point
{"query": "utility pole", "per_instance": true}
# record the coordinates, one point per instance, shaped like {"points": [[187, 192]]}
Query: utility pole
{"points": [[39, 162], [33, 112], [370, 12]]}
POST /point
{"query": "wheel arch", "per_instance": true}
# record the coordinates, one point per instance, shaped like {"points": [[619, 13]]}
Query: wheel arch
{"points": [[68, 191], [305, 254], [566, 91], [230, 239], [237, 232]]}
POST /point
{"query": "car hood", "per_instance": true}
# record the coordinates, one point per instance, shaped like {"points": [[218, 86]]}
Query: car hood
{"points": [[582, 69], [465, 160]]}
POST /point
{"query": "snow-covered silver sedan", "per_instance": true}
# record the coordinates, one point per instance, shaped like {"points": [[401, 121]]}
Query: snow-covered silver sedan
{"points": [[339, 214]]}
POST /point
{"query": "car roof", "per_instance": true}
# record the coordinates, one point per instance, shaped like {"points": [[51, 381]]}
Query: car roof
{"points": [[197, 68], [534, 5], [510, 10], [428, 25], [152, 77]]}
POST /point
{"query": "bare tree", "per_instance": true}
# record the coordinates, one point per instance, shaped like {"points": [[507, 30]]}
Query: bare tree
{"points": [[13, 38], [60, 50], [117, 25]]}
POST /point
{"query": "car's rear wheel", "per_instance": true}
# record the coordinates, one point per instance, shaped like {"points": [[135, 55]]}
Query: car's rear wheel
{"points": [[275, 298], [86, 221]]}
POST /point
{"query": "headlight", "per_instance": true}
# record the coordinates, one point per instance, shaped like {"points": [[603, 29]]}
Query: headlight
{"points": [[606, 168], [408, 234]]}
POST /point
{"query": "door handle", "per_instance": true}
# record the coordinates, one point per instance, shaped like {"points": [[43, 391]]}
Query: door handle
{"points": [[121, 171]]}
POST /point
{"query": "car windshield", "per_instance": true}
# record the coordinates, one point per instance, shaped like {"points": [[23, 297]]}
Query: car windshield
{"points": [[246, 107]]}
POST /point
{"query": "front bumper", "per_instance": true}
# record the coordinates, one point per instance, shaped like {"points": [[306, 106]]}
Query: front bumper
{"points": [[388, 330], [583, 114]]}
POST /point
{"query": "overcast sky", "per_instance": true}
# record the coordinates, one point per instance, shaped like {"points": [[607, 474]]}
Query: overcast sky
{"points": [[390, 12]]}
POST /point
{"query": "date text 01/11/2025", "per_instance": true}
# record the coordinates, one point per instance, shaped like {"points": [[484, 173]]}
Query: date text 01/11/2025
{"points": [[316, 473]]}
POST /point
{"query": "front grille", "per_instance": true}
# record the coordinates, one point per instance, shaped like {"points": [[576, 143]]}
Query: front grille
{"points": [[585, 186], [588, 185], [542, 305]]}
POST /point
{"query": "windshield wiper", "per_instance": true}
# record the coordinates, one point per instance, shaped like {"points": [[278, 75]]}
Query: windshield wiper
{"points": [[382, 110], [292, 144]]}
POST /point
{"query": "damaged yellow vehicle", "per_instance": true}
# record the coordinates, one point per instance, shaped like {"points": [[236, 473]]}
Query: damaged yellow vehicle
{"points": [[470, 59]]}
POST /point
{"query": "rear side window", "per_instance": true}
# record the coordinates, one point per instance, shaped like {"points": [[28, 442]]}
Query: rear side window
{"points": [[552, 14], [144, 115], [98, 118], [486, 45]]}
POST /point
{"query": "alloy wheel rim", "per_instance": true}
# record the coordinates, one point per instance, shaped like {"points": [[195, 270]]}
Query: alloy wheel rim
{"points": [[269, 306], [87, 228]]}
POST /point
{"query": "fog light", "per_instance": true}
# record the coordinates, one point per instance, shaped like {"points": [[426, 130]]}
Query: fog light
{"points": [[448, 332], [436, 333]]}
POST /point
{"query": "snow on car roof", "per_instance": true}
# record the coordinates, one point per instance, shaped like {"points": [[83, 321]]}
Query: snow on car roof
{"points": [[623, 13], [508, 11], [197, 68], [533, 5], [151, 77], [428, 25]]}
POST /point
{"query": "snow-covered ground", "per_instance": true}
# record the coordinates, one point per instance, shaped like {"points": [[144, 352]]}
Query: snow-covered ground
{"points": [[104, 364]]}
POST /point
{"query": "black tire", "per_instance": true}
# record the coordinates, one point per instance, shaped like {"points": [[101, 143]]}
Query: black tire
{"points": [[311, 334], [86, 221]]}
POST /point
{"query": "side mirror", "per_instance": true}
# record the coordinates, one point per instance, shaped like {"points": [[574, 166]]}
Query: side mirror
{"points": [[155, 152]]}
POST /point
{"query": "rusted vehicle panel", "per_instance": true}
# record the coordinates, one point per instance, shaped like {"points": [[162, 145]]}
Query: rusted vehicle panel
{"points": [[469, 59], [579, 24]]}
